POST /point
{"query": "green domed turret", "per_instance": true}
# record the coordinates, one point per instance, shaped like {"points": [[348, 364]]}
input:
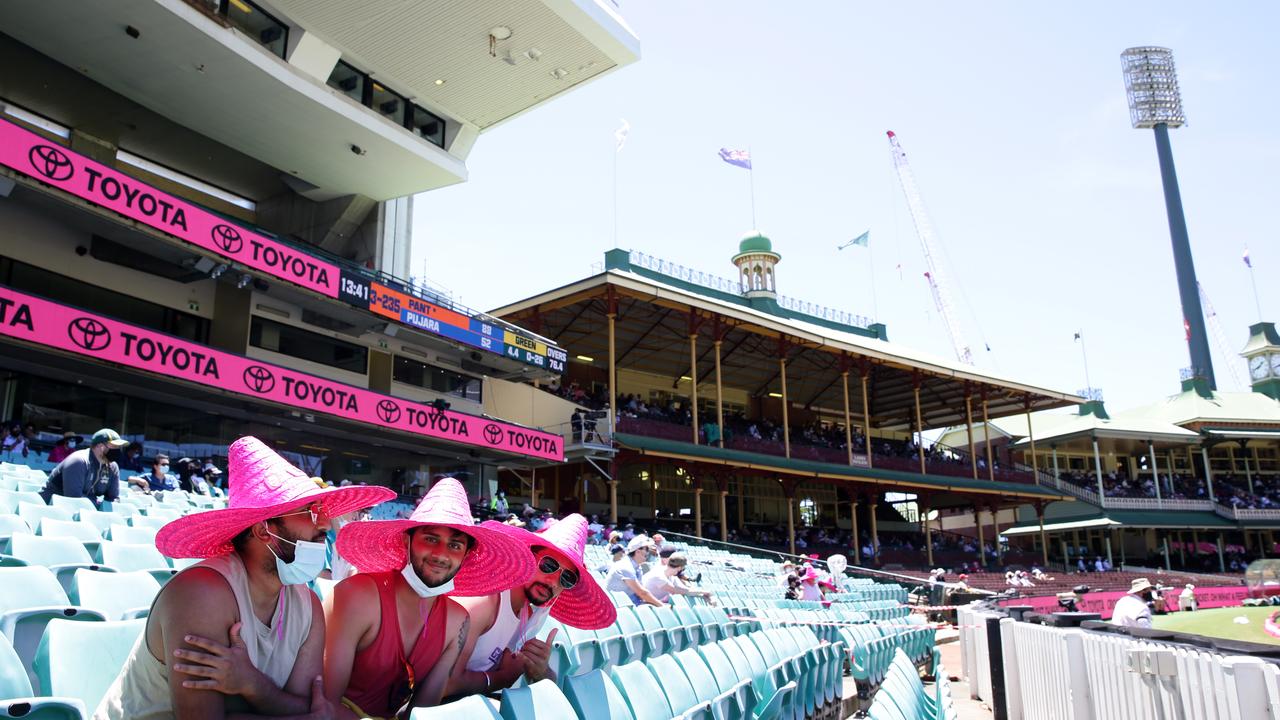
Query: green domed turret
{"points": [[754, 241]]}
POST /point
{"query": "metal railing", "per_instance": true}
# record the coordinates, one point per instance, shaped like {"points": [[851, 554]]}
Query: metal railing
{"points": [[736, 287]]}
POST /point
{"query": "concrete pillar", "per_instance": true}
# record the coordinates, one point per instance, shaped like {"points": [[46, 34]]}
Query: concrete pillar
{"points": [[724, 516], [791, 524], [857, 545], [613, 502], [977, 520], [875, 533]]}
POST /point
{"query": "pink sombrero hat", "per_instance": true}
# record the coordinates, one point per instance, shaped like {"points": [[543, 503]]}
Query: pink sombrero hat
{"points": [[496, 561], [263, 485], [585, 607]]}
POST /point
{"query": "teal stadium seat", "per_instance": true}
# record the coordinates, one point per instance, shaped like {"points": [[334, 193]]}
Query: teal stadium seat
{"points": [[118, 596], [74, 504], [9, 525], [472, 707], [133, 535], [62, 555], [594, 695], [34, 514], [29, 598], [88, 657], [99, 519], [18, 700], [726, 704], [681, 696], [774, 696], [540, 701], [643, 694], [127, 557]]}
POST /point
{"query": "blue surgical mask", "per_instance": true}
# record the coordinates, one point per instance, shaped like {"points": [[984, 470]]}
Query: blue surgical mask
{"points": [[164, 469], [308, 561]]}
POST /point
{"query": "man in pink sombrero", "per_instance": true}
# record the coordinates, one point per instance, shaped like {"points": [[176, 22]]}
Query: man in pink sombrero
{"points": [[240, 633], [502, 645], [394, 637]]}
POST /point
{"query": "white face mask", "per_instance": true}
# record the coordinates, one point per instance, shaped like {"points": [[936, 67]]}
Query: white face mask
{"points": [[308, 561], [419, 587]]}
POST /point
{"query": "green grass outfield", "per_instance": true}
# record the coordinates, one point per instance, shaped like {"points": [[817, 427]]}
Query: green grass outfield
{"points": [[1219, 623]]}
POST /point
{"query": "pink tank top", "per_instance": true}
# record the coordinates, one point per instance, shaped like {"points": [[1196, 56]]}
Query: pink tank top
{"points": [[381, 675]]}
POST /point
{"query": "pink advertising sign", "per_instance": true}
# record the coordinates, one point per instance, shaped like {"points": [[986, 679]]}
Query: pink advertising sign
{"points": [[1104, 602], [35, 320], [30, 154]]}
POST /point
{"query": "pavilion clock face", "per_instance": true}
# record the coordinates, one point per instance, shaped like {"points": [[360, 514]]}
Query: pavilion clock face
{"points": [[1275, 365], [1258, 366]]}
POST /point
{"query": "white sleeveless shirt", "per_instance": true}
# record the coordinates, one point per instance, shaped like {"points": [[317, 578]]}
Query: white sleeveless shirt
{"points": [[509, 632], [141, 691]]}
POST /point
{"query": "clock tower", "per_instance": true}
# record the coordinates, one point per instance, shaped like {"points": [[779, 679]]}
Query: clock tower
{"points": [[1262, 353]]}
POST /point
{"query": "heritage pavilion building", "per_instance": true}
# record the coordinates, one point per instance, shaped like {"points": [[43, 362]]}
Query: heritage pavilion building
{"points": [[1190, 475], [782, 411]]}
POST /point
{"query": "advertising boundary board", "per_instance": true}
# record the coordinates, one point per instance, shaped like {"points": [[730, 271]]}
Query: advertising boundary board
{"points": [[1104, 602], [65, 169], [58, 166], [50, 324]]}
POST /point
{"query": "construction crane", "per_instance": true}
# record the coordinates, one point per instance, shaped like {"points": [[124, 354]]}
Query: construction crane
{"points": [[1215, 329], [924, 228]]}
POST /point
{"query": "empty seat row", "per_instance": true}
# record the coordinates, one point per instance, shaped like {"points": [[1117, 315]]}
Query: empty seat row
{"points": [[761, 676], [904, 697]]}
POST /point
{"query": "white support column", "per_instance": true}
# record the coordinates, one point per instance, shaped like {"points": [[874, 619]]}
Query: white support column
{"points": [[1208, 473], [1155, 473], [1097, 470]]}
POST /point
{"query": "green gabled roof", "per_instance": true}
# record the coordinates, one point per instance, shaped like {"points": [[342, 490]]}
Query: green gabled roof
{"points": [[813, 468], [1079, 513]]}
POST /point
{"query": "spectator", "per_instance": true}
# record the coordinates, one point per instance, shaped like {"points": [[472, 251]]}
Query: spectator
{"points": [[131, 459], [159, 480], [207, 622], [408, 567], [15, 443], [90, 472], [663, 581], [64, 446], [502, 645], [595, 529], [625, 574], [617, 552], [207, 484], [809, 589], [659, 542], [1132, 610]]}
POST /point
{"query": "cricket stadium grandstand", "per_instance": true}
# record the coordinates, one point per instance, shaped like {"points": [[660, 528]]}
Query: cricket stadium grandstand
{"points": [[206, 209]]}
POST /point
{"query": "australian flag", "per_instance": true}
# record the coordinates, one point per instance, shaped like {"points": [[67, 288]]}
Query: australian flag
{"points": [[741, 158]]}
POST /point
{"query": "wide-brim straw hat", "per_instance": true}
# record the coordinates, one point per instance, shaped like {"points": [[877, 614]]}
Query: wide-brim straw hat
{"points": [[585, 606], [263, 486], [495, 563], [1140, 584]]}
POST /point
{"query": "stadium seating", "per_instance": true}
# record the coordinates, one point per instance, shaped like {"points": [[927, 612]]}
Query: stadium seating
{"points": [[118, 596], [30, 597], [904, 697], [18, 700], [88, 657]]}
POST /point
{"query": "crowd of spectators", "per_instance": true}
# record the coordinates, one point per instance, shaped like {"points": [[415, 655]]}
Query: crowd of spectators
{"points": [[1118, 484], [1234, 490]]}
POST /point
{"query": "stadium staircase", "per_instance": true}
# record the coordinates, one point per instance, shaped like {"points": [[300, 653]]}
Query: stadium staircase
{"points": [[76, 584]]}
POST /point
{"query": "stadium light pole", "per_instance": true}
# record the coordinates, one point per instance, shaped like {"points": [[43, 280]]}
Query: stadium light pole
{"points": [[1151, 82]]}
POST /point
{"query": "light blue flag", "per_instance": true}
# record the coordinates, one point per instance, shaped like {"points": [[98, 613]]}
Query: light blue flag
{"points": [[860, 241]]}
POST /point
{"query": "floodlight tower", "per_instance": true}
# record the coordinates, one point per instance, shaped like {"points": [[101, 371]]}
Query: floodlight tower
{"points": [[1151, 82]]}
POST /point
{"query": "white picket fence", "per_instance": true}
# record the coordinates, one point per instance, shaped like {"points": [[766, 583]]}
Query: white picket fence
{"points": [[1072, 674]]}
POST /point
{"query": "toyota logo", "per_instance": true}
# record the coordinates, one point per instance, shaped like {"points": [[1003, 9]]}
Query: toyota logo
{"points": [[259, 379], [227, 238], [51, 162], [493, 434], [89, 334], [388, 411]]}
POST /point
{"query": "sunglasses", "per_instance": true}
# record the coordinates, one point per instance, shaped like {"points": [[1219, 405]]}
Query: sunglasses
{"points": [[548, 565], [317, 513]]}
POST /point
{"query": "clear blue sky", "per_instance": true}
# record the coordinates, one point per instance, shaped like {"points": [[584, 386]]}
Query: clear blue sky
{"points": [[1047, 202]]}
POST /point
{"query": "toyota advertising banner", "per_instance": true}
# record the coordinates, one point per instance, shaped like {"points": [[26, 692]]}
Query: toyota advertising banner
{"points": [[43, 322], [30, 154]]}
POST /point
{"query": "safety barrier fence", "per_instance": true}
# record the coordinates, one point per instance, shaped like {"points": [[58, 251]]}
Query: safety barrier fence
{"points": [[1031, 671]]}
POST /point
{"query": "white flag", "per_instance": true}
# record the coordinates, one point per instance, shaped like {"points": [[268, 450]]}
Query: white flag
{"points": [[621, 134]]}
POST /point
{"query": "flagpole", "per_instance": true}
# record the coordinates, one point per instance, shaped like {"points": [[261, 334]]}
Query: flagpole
{"points": [[1254, 282], [1085, 357], [615, 195], [875, 301], [751, 174]]}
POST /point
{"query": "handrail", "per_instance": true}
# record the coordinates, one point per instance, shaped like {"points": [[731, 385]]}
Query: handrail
{"points": [[896, 577]]}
